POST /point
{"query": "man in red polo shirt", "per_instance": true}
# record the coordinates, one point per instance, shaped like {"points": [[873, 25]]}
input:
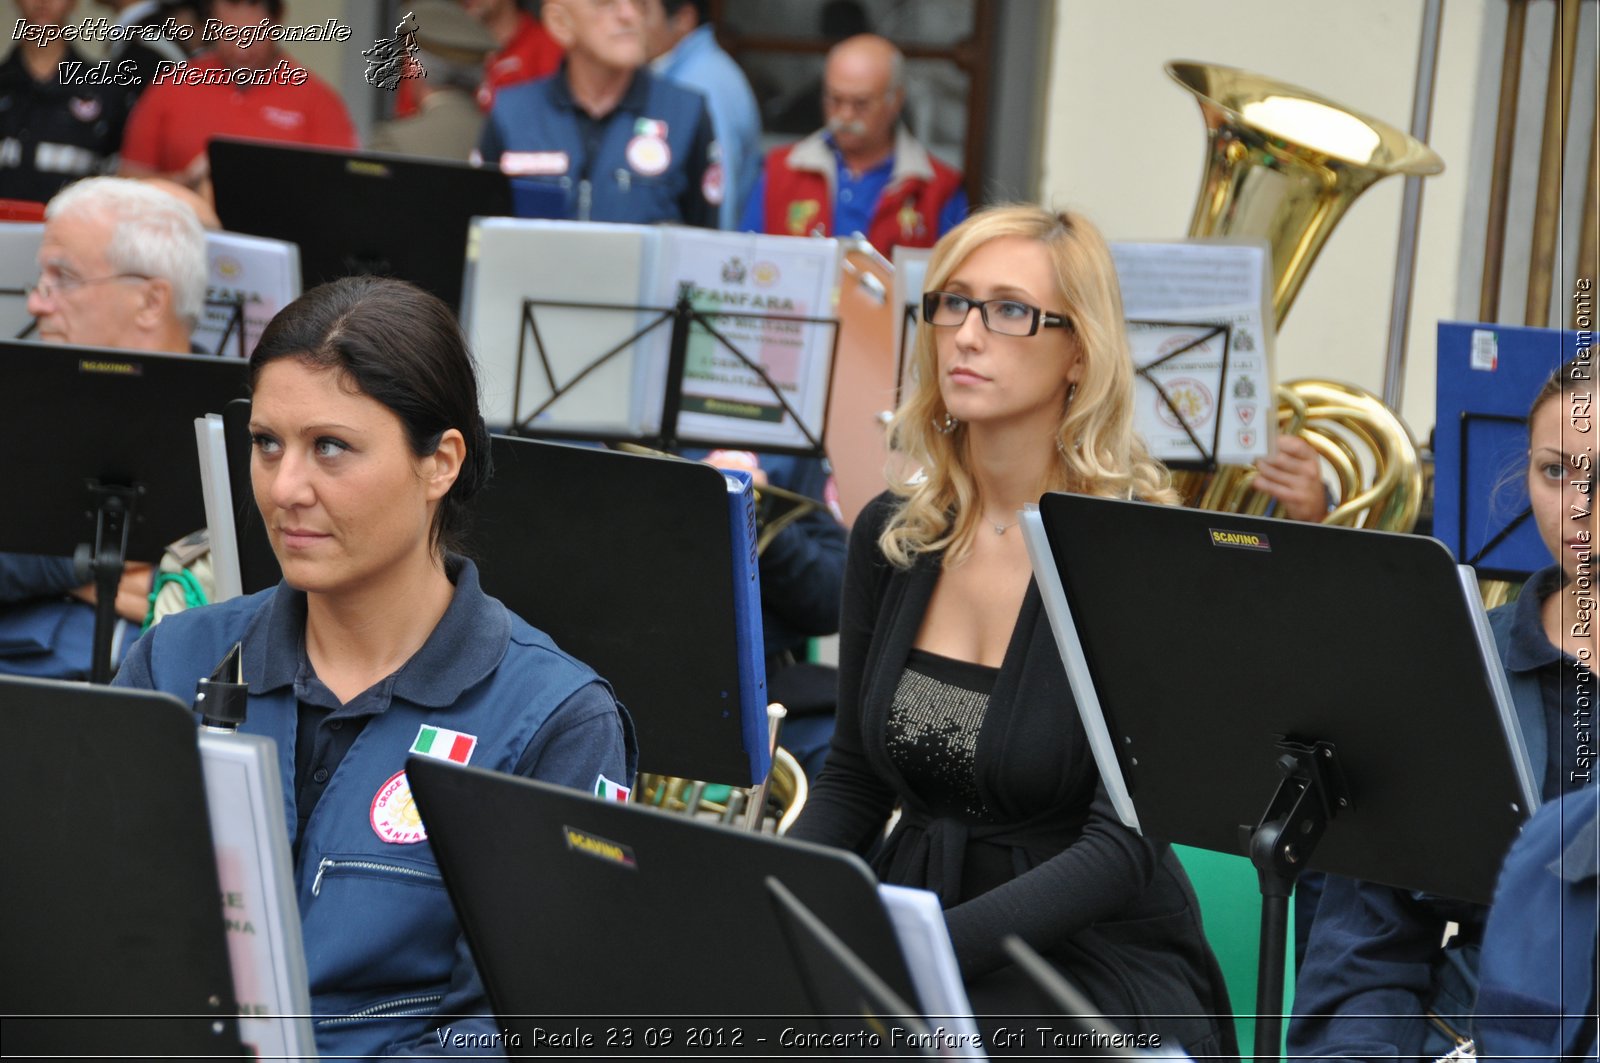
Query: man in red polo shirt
{"points": [[242, 87], [525, 49]]}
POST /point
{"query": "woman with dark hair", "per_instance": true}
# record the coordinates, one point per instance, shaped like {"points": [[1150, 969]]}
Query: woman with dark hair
{"points": [[1376, 982], [379, 644], [953, 703]]}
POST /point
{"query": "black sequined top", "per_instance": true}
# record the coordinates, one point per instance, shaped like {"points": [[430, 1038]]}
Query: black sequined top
{"points": [[933, 731]]}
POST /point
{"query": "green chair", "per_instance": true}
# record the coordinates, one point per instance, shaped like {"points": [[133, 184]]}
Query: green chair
{"points": [[1230, 904]]}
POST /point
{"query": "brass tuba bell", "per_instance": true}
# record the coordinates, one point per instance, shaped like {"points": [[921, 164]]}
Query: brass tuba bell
{"points": [[1285, 164]]}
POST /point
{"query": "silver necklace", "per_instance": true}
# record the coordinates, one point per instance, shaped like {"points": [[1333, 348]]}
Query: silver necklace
{"points": [[1000, 529]]}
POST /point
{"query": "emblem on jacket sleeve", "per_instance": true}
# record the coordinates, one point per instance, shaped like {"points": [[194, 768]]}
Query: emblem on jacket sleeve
{"points": [[606, 790], [395, 818], [713, 185], [910, 219], [802, 213]]}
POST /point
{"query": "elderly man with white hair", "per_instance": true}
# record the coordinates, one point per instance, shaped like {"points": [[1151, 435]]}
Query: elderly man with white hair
{"points": [[123, 264]]}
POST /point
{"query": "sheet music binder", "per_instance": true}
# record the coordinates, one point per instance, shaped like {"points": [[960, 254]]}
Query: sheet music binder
{"points": [[747, 623], [661, 428], [592, 341]]}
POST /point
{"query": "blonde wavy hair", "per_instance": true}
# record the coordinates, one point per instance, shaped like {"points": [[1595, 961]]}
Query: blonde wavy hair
{"points": [[1097, 450]]}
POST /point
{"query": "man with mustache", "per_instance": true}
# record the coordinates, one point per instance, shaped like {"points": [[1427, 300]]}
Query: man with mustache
{"points": [[863, 172]]}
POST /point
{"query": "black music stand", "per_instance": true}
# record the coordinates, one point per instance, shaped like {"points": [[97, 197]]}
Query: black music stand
{"points": [[682, 317], [581, 908], [118, 429], [358, 212], [1324, 755], [625, 561], [115, 942], [865, 1016]]}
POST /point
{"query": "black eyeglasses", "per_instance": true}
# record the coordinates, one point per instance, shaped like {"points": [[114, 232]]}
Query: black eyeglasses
{"points": [[1010, 317]]}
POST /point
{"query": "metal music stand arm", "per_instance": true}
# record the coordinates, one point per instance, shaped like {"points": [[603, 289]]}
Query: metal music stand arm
{"points": [[677, 365], [694, 316], [1310, 794], [114, 516], [524, 424]]}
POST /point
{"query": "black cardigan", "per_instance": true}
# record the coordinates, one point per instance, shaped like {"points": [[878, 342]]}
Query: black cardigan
{"points": [[1113, 910]]}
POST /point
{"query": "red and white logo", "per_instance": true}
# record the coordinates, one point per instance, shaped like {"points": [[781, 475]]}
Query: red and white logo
{"points": [[713, 184], [649, 156], [84, 108], [283, 119], [395, 818]]}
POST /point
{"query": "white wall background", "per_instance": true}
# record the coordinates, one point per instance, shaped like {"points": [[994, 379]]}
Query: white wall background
{"points": [[1125, 143]]}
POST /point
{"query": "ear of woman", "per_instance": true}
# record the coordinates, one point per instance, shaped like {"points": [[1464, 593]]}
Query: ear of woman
{"points": [[441, 468]]}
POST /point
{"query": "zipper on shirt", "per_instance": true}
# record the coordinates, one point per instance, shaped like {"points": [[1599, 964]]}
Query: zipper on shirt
{"points": [[329, 863], [624, 180], [423, 1004]]}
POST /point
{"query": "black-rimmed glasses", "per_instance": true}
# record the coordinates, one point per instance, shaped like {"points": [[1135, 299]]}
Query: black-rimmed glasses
{"points": [[1007, 317]]}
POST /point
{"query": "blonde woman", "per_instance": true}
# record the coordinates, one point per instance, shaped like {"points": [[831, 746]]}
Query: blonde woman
{"points": [[953, 704]]}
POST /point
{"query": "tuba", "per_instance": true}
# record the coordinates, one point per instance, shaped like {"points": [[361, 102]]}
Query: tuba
{"points": [[1285, 164]]}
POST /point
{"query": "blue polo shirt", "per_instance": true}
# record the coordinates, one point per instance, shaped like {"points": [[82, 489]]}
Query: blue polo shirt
{"points": [[454, 657], [1566, 686]]}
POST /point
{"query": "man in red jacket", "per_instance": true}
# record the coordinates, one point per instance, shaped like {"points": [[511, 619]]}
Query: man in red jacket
{"points": [[863, 172]]}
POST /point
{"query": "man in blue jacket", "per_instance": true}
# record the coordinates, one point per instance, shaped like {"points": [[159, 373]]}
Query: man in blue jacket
{"points": [[615, 141], [683, 48]]}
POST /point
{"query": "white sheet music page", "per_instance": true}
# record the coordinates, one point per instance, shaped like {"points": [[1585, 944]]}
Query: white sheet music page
{"points": [[919, 925]]}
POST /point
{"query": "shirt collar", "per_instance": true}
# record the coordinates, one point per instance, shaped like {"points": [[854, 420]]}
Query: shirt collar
{"points": [[1529, 648], [632, 101], [881, 169], [464, 648]]}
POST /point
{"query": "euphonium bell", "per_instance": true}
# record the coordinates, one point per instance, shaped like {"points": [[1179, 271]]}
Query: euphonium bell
{"points": [[1285, 164]]}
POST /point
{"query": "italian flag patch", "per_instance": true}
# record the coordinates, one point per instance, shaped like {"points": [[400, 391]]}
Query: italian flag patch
{"points": [[443, 744], [606, 790]]}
